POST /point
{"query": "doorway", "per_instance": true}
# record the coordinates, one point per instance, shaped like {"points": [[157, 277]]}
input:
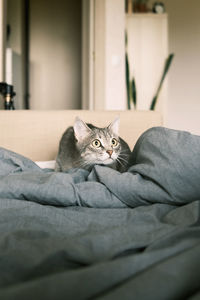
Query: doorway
{"points": [[48, 54]]}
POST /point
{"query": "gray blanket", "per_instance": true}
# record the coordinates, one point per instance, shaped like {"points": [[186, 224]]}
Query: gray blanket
{"points": [[103, 234]]}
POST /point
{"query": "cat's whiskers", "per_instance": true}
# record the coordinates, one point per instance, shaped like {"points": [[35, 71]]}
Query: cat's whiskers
{"points": [[123, 159], [119, 162], [123, 153], [82, 164]]}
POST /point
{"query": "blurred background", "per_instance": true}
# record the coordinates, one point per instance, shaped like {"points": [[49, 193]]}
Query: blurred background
{"points": [[62, 54]]}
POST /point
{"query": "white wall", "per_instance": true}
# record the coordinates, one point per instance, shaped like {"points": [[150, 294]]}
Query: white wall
{"points": [[184, 75], [14, 19], [184, 80], [55, 54]]}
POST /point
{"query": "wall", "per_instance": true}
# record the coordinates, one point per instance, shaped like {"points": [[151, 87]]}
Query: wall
{"points": [[184, 76], [55, 54], [14, 19], [184, 80]]}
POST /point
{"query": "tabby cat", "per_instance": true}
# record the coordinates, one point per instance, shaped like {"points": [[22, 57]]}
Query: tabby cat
{"points": [[84, 145]]}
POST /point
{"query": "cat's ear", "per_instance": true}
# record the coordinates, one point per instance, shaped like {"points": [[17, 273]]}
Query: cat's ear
{"points": [[81, 129], [114, 126]]}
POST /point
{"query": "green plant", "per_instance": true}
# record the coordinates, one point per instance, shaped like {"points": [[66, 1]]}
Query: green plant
{"points": [[130, 83], [127, 82], [166, 69]]}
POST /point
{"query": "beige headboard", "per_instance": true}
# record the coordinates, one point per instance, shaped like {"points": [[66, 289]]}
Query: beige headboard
{"points": [[36, 134]]}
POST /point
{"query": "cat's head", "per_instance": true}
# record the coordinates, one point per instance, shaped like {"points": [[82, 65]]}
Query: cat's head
{"points": [[98, 145]]}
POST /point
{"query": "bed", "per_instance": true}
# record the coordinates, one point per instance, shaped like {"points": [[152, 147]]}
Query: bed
{"points": [[98, 234]]}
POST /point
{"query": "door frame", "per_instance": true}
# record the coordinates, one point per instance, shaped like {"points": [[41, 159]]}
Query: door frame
{"points": [[103, 64], [103, 55]]}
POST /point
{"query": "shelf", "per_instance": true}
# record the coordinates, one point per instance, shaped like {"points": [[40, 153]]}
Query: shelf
{"points": [[146, 15]]}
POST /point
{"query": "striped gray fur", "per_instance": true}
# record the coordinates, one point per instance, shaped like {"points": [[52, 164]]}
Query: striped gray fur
{"points": [[85, 145]]}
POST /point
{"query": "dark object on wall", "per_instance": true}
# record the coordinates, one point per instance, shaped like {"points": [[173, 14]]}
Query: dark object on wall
{"points": [[8, 93], [158, 8]]}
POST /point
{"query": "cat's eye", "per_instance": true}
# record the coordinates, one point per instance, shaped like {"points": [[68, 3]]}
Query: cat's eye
{"points": [[114, 142], [96, 143]]}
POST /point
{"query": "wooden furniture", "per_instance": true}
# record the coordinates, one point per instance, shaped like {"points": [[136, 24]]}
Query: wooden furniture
{"points": [[147, 50]]}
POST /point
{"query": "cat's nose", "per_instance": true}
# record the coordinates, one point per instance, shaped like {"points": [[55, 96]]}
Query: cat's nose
{"points": [[109, 152]]}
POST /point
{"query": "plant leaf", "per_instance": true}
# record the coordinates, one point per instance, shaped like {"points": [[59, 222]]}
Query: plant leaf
{"points": [[128, 82], [134, 92], [166, 68], [126, 39]]}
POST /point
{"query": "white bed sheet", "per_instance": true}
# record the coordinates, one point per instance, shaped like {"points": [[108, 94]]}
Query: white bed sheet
{"points": [[50, 164]]}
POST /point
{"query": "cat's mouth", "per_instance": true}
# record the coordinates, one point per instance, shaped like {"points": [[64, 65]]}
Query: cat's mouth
{"points": [[108, 161]]}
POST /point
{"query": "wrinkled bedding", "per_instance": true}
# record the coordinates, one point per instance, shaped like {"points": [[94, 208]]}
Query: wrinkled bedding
{"points": [[103, 234]]}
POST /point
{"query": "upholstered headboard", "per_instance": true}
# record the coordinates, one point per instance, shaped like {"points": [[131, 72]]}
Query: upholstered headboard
{"points": [[36, 134]]}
